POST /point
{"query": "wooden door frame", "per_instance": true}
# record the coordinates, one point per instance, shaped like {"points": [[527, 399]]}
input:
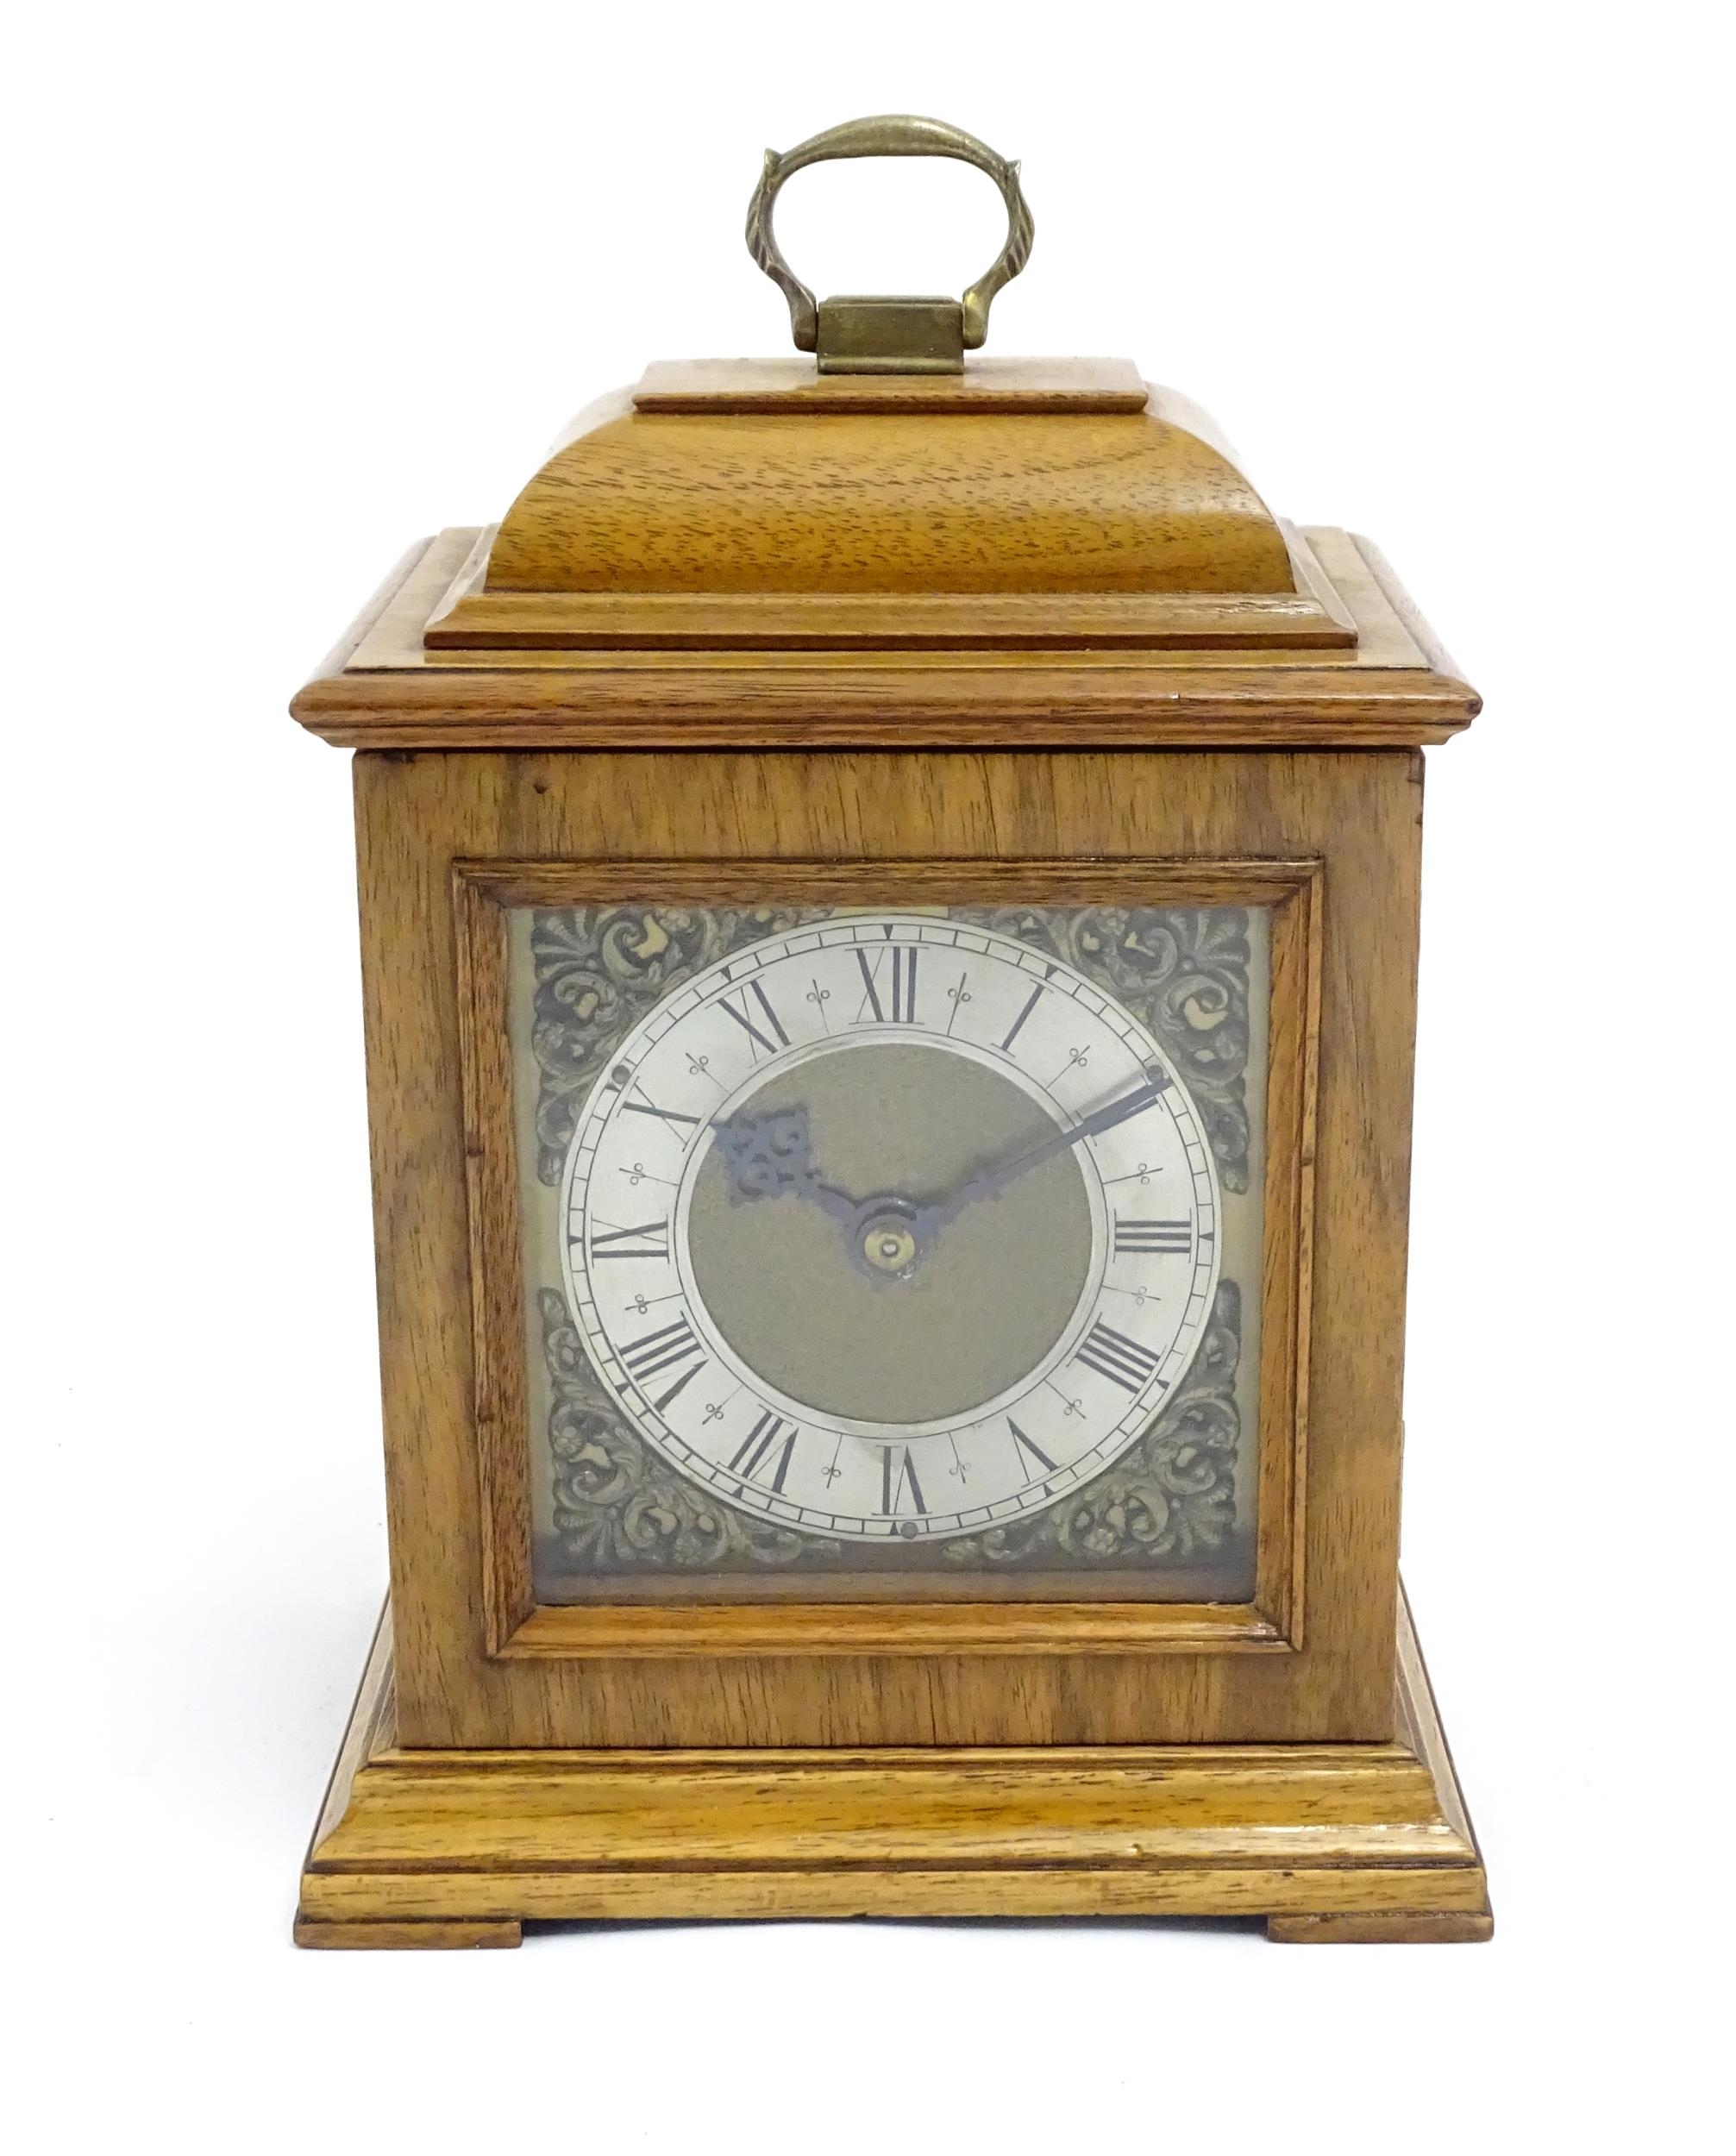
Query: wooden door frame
{"points": [[483, 894]]}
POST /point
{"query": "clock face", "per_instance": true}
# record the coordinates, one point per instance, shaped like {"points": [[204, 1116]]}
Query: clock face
{"points": [[890, 1226]]}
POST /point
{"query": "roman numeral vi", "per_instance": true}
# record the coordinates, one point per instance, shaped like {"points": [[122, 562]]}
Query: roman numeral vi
{"points": [[895, 1480]]}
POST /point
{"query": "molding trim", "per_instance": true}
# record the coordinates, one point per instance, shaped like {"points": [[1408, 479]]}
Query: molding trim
{"points": [[1367, 1842], [382, 689]]}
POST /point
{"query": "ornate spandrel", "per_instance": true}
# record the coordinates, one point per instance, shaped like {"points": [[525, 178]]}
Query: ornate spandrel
{"points": [[598, 970]]}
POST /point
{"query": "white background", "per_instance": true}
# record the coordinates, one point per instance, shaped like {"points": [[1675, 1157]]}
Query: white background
{"points": [[294, 285]]}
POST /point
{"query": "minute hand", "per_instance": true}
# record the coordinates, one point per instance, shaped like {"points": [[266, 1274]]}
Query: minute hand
{"points": [[990, 1182]]}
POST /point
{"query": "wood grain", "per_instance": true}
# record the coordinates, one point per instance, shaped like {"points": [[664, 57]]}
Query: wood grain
{"points": [[872, 815], [1367, 1838], [469, 617], [455, 562], [754, 1627], [1384, 1927], [393, 694], [1050, 505], [926, 498], [1025, 632], [411, 1935], [991, 383], [916, 621]]}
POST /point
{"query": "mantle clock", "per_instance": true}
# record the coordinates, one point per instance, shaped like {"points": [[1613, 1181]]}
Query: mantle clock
{"points": [[888, 892]]}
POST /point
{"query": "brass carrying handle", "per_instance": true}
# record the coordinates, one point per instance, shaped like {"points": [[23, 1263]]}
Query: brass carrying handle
{"points": [[892, 335]]}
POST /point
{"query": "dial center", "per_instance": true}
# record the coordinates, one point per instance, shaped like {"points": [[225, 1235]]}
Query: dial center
{"points": [[888, 1245], [860, 1319]]}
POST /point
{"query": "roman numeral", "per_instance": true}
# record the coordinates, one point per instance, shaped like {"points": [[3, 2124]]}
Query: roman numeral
{"points": [[650, 1240], [646, 1106], [1114, 1355], [1137, 1237], [1030, 1005], [669, 1345], [893, 1482], [766, 1433], [1027, 1445], [903, 986], [745, 1019]]}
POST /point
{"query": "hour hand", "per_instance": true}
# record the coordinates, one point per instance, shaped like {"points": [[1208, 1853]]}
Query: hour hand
{"points": [[770, 1157]]}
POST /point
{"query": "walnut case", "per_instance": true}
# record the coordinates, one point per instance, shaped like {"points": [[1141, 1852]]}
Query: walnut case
{"points": [[1024, 635]]}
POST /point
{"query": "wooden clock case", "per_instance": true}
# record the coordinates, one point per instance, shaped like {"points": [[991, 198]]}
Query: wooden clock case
{"points": [[755, 632]]}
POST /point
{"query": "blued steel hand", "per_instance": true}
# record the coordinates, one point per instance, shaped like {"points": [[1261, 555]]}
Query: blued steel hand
{"points": [[771, 1156], [990, 1182]]}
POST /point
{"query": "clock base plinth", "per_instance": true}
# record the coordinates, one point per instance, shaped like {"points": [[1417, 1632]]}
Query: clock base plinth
{"points": [[1324, 1842], [1390, 1927], [418, 1931]]}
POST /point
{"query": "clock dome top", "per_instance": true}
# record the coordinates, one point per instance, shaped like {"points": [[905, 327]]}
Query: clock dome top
{"points": [[791, 542], [887, 494], [756, 504]]}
